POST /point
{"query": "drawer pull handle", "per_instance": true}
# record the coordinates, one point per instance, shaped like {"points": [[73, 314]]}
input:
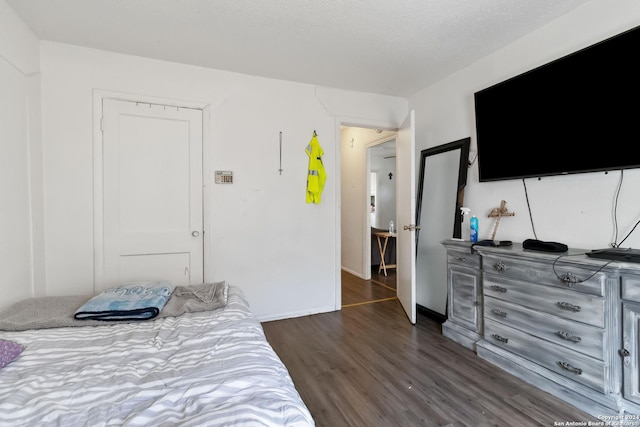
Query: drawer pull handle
{"points": [[499, 289], [568, 367], [463, 259], [567, 306], [499, 338], [570, 279], [499, 312], [500, 266], [567, 336], [625, 353]]}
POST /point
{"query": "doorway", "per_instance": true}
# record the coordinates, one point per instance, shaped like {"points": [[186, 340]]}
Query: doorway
{"points": [[366, 202]]}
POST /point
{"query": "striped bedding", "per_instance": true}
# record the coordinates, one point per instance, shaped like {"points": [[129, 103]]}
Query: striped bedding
{"points": [[210, 368]]}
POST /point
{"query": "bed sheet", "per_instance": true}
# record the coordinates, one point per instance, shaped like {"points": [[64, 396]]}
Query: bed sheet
{"points": [[211, 368]]}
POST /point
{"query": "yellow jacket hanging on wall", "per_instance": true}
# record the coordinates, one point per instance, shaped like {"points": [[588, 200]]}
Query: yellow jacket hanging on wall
{"points": [[316, 175]]}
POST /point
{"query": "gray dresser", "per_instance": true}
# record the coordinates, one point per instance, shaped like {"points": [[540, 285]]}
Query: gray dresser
{"points": [[566, 323]]}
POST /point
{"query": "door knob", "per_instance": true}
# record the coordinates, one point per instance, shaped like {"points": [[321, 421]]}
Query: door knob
{"points": [[195, 233]]}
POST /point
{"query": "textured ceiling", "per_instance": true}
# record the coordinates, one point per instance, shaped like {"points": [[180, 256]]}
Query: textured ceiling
{"points": [[393, 47]]}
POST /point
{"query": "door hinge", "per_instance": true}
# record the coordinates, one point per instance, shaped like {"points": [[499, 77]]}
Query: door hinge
{"points": [[411, 227]]}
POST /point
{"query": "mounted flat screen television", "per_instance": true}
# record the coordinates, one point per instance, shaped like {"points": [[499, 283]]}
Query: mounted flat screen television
{"points": [[579, 113]]}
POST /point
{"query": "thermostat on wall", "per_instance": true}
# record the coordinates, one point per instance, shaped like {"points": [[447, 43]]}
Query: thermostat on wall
{"points": [[224, 177]]}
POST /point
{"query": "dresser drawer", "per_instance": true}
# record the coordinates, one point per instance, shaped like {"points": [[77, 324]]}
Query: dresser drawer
{"points": [[463, 258], [547, 273], [575, 366], [568, 304], [585, 339]]}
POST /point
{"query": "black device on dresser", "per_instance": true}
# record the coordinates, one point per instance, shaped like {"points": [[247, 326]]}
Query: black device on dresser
{"points": [[616, 254]]}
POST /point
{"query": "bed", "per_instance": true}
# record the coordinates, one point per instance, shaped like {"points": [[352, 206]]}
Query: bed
{"points": [[198, 368]]}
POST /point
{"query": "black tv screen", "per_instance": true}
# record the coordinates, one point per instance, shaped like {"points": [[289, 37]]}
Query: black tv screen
{"points": [[580, 113]]}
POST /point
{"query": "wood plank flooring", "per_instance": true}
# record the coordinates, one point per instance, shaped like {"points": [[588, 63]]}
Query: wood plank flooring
{"points": [[358, 291], [366, 365]]}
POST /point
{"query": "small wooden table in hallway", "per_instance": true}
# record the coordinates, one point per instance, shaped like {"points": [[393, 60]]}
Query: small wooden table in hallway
{"points": [[382, 246]]}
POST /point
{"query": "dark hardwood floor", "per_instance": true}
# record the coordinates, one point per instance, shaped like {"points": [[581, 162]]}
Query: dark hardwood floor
{"points": [[367, 365]]}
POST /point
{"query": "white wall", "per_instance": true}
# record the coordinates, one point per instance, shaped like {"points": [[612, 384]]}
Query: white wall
{"points": [[20, 175], [576, 209], [264, 238], [354, 201]]}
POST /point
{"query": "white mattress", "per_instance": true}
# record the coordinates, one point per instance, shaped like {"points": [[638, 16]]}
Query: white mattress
{"points": [[199, 369]]}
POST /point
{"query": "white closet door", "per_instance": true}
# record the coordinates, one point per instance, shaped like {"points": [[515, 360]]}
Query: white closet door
{"points": [[152, 193]]}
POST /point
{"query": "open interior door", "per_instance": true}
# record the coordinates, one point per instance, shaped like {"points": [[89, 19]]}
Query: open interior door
{"points": [[405, 213]]}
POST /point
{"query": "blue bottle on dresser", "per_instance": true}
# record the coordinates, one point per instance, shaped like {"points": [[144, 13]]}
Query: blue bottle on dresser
{"points": [[474, 229]]}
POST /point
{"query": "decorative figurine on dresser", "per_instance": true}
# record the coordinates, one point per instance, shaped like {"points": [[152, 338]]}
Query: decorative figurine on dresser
{"points": [[562, 321]]}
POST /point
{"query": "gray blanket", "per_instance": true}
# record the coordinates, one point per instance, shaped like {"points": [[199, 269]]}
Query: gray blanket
{"points": [[58, 312]]}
